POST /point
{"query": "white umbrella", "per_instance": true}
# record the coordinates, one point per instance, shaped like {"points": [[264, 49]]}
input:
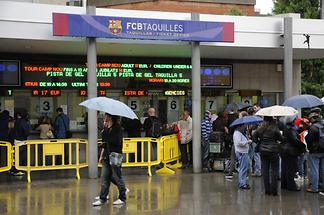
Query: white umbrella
{"points": [[110, 106], [323, 99], [277, 110]]}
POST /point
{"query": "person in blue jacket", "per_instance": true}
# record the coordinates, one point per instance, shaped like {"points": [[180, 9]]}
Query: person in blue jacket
{"points": [[61, 124]]}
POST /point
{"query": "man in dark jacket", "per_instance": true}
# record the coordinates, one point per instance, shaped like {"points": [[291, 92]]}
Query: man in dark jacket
{"points": [[149, 128], [316, 152], [149, 121], [21, 133]]}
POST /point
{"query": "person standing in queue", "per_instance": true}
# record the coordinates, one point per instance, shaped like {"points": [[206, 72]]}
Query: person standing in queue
{"points": [[111, 158], [268, 138], [292, 148], [206, 130], [21, 133], [185, 129], [153, 128], [62, 131], [61, 124], [242, 144], [315, 143]]}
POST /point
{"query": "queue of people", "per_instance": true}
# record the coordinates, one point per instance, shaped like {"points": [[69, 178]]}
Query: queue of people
{"points": [[284, 145]]}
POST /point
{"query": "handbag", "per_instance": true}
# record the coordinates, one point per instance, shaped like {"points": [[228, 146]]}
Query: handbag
{"points": [[115, 159], [49, 134]]}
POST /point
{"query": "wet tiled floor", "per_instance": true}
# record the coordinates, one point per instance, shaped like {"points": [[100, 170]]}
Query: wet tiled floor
{"points": [[182, 193]]}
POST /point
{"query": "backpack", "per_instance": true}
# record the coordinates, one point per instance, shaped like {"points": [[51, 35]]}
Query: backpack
{"points": [[320, 127], [156, 128]]}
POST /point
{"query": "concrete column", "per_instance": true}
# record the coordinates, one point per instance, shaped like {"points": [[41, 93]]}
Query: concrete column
{"points": [[92, 92], [196, 102], [288, 58], [322, 9]]}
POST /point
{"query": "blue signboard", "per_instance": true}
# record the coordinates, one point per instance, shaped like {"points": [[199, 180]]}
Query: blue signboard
{"points": [[75, 25]]}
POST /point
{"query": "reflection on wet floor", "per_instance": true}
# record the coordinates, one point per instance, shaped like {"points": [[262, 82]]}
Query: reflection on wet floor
{"points": [[182, 193]]}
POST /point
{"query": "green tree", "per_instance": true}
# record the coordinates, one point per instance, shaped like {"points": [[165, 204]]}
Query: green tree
{"points": [[308, 9], [312, 70]]}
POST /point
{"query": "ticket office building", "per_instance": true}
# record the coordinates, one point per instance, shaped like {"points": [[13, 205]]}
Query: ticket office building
{"points": [[46, 82]]}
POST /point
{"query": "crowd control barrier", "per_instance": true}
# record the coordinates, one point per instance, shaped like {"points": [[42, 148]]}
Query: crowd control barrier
{"points": [[53, 154], [170, 153], [140, 152], [6, 155]]}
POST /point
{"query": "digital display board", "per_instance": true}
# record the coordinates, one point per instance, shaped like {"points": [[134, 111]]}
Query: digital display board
{"points": [[110, 76], [9, 73], [121, 76], [46, 92], [220, 76], [85, 92]]}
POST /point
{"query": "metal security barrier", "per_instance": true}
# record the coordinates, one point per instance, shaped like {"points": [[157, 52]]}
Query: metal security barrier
{"points": [[6, 155], [170, 153], [57, 154], [140, 152]]}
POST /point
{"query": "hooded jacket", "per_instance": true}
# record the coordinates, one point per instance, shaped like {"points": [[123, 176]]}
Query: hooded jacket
{"points": [[206, 127]]}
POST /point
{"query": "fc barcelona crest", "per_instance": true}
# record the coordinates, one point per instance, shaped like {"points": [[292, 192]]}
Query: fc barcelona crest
{"points": [[115, 26]]}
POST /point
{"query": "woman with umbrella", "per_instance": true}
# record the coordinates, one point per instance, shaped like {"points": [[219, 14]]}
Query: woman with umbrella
{"points": [[111, 157], [267, 137], [241, 145]]}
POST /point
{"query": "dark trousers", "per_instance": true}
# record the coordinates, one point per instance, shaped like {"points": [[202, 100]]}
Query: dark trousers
{"points": [[205, 152], [190, 160], [289, 167], [184, 154], [270, 172], [112, 174]]}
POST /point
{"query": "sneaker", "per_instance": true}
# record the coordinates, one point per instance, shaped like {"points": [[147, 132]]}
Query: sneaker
{"points": [[119, 202], [229, 176], [311, 191], [98, 197], [19, 174], [245, 187], [127, 191], [97, 203]]}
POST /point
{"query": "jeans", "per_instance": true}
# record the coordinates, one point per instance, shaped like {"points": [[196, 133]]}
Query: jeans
{"points": [[302, 165], [257, 159], [112, 173], [270, 172], [316, 162], [244, 161]]}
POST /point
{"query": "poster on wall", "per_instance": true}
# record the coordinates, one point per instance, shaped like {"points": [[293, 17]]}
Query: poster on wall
{"points": [[134, 104], [46, 105], [173, 104], [247, 100], [211, 104]]}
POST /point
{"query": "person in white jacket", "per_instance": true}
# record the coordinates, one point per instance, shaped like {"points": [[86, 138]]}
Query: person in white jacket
{"points": [[185, 129]]}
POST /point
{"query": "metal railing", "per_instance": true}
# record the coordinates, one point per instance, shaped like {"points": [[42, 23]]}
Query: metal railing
{"points": [[6, 154], [57, 154], [169, 147]]}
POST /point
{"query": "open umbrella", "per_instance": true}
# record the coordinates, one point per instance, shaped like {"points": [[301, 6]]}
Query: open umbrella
{"points": [[303, 101], [247, 120], [322, 99], [110, 106], [277, 110], [236, 106]]}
